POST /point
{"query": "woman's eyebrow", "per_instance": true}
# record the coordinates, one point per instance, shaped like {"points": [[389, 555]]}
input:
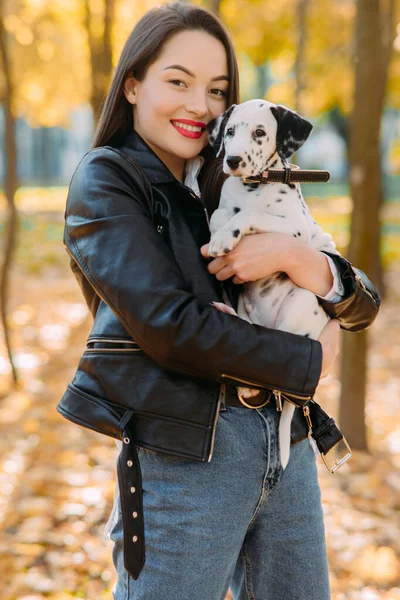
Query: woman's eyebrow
{"points": [[185, 70]]}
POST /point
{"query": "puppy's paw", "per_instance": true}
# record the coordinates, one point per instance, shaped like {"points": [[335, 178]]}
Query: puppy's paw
{"points": [[222, 242], [224, 308]]}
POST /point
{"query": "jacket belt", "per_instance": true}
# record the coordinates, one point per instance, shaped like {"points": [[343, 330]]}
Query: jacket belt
{"points": [[131, 494]]}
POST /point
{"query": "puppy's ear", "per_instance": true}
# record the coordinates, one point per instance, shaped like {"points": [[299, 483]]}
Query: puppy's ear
{"points": [[292, 131], [216, 130]]}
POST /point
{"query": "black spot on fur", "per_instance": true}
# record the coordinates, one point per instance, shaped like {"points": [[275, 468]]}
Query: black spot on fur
{"points": [[278, 200], [259, 142], [243, 164], [291, 185], [236, 233], [283, 191], [260, 105], [282, 276], [298, 233], [306, 335], [236, 209], [275, 301], [315, 312], [266, 290], [251, 228]]}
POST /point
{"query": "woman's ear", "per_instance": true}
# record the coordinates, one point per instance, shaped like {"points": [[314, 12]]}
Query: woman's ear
{"points": [[216, 130], [130, 88], [292, 131]]}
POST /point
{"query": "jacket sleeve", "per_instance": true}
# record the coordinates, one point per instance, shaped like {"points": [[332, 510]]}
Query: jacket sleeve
{"points": [[360, 304], [111, 236]]}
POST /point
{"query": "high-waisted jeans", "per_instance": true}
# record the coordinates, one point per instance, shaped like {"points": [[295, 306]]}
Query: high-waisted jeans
{"points": [[239, 521]]}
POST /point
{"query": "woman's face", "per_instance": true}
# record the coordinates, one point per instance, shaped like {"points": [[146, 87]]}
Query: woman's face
{"points": [[169, 94]]}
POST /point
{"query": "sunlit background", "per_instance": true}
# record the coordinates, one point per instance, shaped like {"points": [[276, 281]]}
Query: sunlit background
{"points": [[328, 61]]}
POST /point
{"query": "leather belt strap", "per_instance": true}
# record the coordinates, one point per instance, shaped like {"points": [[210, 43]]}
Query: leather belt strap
{"points": [[291, 174], [131, 494], [325, 431]]}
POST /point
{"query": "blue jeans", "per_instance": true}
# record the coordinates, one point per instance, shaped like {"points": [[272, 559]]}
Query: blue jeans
{"points": [[239, 521]]}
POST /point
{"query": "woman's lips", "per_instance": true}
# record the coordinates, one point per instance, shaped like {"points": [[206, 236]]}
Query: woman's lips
{"points": [[189, 134]]}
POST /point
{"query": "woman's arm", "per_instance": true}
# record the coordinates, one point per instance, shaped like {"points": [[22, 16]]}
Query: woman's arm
{"points": [[261, 254], [360, 302]]}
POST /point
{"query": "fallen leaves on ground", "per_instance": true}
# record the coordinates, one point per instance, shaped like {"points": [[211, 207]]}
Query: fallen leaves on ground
{"points": [[57, 479]]}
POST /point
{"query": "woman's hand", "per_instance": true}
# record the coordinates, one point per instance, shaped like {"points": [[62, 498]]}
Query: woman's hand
{"points": [[256, 256], [329, 338]]}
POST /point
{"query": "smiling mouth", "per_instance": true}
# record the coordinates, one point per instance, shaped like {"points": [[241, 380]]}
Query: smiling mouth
{"points": [[188, 127]]}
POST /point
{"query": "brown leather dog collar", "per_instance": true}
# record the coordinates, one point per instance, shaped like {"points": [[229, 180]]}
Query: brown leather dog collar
{"points": [[291, 174]]}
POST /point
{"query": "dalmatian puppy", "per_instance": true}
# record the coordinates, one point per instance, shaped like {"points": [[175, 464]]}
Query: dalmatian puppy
{"points": [[257, 135]]}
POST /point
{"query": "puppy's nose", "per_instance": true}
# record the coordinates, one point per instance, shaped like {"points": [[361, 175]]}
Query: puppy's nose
{"points": [[233, 161]]}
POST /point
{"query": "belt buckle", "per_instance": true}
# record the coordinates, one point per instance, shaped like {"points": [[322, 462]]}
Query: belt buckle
{"points": [[252, 405], [338, 462]]}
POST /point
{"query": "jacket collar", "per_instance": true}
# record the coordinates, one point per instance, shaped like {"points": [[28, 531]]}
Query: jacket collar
{"points": [[134, 145]]}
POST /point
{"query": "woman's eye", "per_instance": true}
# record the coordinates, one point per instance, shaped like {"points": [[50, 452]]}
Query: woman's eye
{"points": [[222, 92], [174, 80], [260, 132]]}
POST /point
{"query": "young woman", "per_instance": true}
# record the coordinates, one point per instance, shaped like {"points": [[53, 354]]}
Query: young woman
{"points": [[202, 502]]}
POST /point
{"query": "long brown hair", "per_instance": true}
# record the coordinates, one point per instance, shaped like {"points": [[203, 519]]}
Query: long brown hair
{"points": [[141, 49]]}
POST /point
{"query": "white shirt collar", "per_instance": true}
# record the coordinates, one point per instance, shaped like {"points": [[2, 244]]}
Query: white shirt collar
{"points": [[192, 169]]}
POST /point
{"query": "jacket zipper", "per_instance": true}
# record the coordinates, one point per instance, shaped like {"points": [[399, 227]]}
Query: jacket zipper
{"points": [[112, 341], [192, 193], [362, 284], [214, 427], [275, 391]]}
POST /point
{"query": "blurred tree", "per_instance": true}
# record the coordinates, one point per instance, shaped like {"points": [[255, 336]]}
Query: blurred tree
{"points": [[10, 183], [99, 18], [374, 34]]}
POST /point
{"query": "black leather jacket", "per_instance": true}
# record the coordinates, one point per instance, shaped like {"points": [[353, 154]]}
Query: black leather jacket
{"points": [[158, 351]]}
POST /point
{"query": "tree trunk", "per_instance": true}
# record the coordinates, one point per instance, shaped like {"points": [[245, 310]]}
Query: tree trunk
{"points": [[302, 10], [366, 189], [100, 56], [10, 186]]}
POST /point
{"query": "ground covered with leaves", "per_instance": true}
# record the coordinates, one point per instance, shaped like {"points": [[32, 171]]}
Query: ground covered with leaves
{"points": [[57, 479]]}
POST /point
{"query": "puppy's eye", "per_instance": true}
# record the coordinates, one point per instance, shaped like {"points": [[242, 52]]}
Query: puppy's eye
{"points": [[229, 131], [260, 132]]}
